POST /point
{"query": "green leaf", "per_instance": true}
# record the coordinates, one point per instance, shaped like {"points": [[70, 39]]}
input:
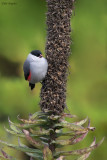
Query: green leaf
{"points": [[33, 142], [35, 155], [79, 152], [21, 148], [85, 156], [44, 139], [81, 122], [6, 156], [65, 124], [24, 126], [47, 154], [26, 120], [38, 154], [33, 116], [20, 134], [69, 133], [13, 127], [40, 133], [63, 115], [40, 114], [71, 141], [14, 133]]}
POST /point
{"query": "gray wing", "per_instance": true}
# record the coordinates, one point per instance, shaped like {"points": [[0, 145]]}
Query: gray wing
{"points": [[26, 69]]}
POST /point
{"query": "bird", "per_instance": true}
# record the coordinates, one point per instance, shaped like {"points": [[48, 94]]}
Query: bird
{"points": [[35, 68]]}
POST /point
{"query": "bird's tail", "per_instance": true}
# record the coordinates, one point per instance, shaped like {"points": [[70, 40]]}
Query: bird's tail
{"points": [[32, 86]]}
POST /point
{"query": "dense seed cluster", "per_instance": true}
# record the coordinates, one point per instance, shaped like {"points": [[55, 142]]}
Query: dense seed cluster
{"points": [[53, 92]]}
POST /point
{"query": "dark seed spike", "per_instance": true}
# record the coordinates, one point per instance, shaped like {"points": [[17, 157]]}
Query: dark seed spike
{"points": [[53, 92]]}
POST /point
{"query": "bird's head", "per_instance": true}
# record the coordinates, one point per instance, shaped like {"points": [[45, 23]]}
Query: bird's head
{"points": [[36, 53]]}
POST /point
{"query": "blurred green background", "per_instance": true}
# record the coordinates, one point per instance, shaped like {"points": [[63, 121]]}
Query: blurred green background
{"points": [[22, 29]]}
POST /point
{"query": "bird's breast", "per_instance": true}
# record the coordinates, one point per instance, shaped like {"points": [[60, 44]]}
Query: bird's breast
{"points": [[38, 70]]}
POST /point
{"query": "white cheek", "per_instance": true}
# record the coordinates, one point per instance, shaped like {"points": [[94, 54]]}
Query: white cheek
{"points": [[34, 58]]}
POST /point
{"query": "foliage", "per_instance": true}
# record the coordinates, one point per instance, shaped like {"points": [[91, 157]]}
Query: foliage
{"points": [[45, 132]]}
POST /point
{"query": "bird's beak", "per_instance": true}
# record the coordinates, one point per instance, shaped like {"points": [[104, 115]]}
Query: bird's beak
{"points": [[40, 56]]}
